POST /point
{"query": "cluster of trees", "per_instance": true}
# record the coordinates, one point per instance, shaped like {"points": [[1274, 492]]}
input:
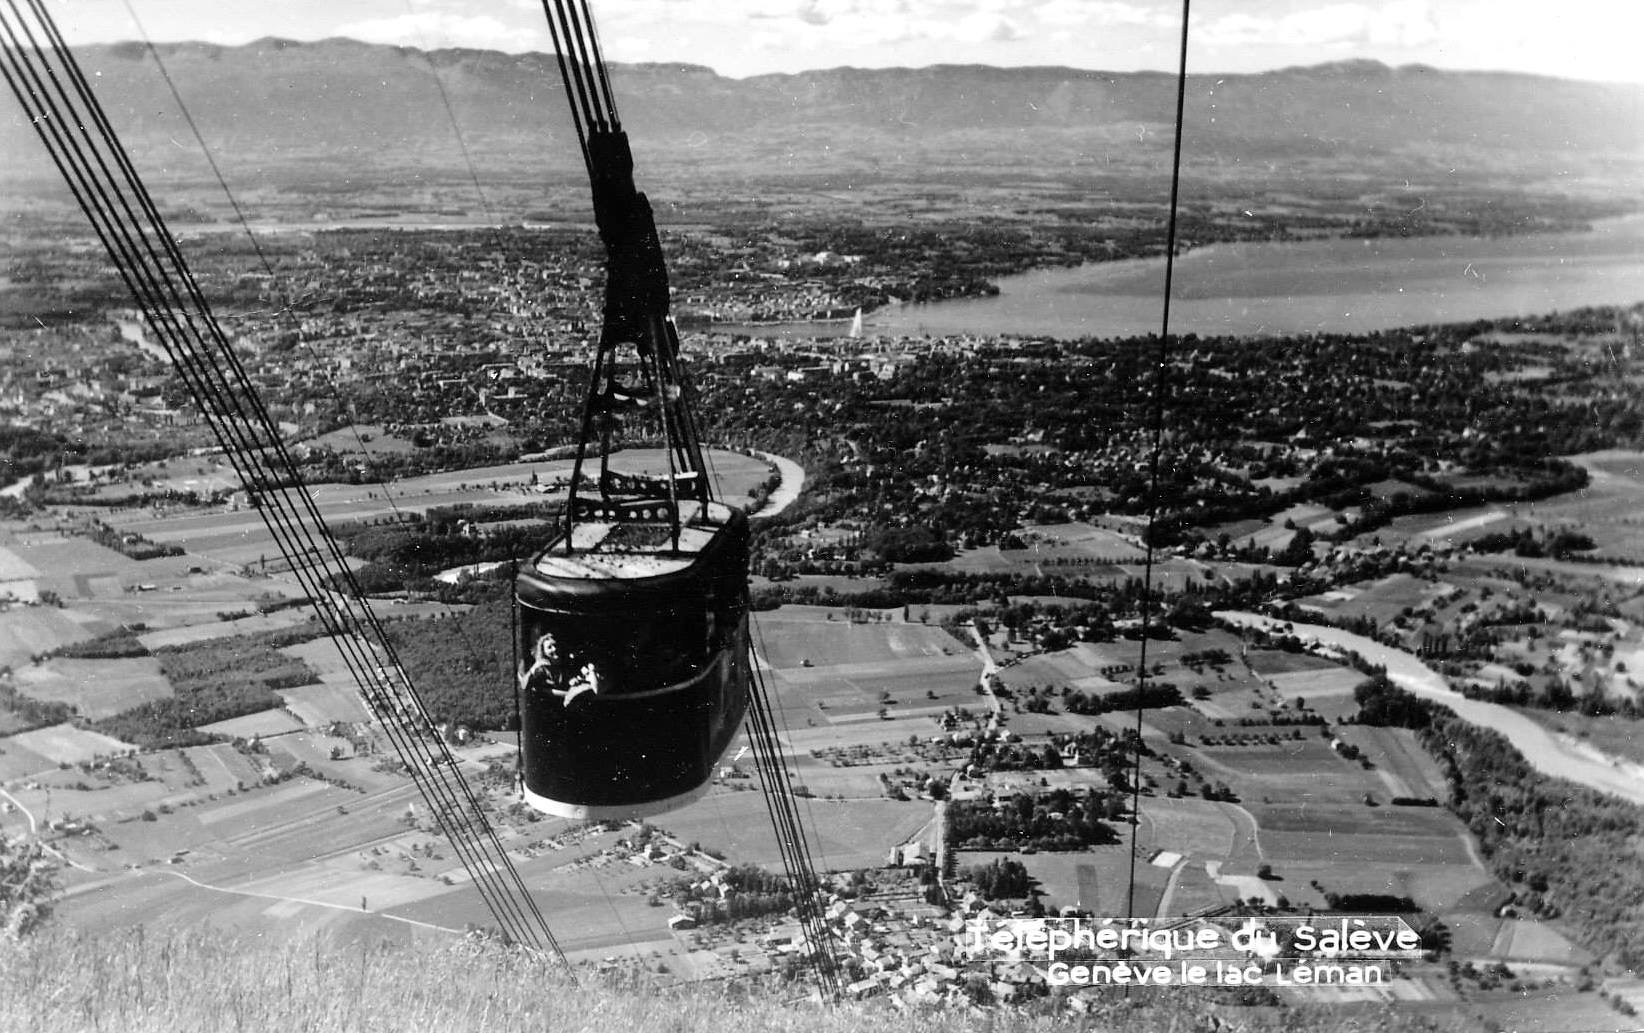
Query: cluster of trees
{"points": [[1523, 482], [214, 681], [1003, 878], [133, 546], [924, 461], [1384, 705], [1153, 696], [1370, 903], [1057, 820], [406, 556], [1568, 851], [1557, 694], [28, 712], [916, 544], [121, 643], [462, 664], [28, 886], [1558, 544], [750, 892], [160, 724], [26, 452], [990, 756]]}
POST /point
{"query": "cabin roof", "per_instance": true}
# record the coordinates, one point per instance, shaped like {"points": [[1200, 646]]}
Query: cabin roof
{"points": [[596, 554]]}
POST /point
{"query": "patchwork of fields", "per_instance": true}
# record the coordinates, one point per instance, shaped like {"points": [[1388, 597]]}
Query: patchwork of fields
{"points": [[229, 835]]}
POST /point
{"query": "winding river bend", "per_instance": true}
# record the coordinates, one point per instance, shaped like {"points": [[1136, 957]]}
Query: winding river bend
{"points": [[1547, 752]]}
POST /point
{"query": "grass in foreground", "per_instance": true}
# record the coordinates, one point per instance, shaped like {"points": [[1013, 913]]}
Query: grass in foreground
{"points": [[132, 982]]}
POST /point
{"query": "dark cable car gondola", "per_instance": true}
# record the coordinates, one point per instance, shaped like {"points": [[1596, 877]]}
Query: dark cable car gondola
{"points": [[633, 622]]}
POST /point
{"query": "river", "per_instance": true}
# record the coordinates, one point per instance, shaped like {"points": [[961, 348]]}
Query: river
{"points": [[1547, 752], [1336, 285], [134, 331]]}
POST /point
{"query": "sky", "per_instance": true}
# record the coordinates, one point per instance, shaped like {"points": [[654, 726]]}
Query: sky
{"points": [[1582, 39]]}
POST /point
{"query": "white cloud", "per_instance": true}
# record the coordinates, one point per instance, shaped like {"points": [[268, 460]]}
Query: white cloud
{"points": [[1096, 14], [1397, 23], [986, 27], [434, 29]]}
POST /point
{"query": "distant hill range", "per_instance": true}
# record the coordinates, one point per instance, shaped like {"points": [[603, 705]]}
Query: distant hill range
{"points": [[289, 114]]}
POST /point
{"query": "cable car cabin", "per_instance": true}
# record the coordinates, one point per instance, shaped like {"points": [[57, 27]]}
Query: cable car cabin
{"points": [[634, 621], [634, 662]]}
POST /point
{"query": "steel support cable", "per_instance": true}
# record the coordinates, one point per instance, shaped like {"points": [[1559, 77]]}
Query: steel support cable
{"points": [[245, 223], [162, 317], [768, 757], [72, 162], [572, 62], [788, 827], [239, 212], [782, 714], [665, 418], [565, 78], [604, 120], [163, 312], [185, 363], [692, 451], [1160, 384], [599, 65], [587, 85], [790, 838]]}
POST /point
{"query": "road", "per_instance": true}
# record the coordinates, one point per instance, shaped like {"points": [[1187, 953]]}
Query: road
{"points": [[989, 669], [1545, 751], [34, 826], [34, 831]]}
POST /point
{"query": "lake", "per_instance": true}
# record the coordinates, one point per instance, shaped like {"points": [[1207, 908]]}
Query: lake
{"points": [[1288, 288]]}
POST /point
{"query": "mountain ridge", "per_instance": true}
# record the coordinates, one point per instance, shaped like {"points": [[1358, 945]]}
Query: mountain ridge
{"points": [[1344, 65], [285, 108]]}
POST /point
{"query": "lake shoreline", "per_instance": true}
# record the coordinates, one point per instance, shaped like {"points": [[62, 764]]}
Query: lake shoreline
{"points": [[1283, 288]]}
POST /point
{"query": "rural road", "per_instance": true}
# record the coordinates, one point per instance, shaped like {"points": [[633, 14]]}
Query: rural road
{"points": [[989, 668], [1544, 750], [34, 831]]}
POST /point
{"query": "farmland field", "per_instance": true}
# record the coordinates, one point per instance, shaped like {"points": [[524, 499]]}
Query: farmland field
{"points": [[53, 554], [322, 704], [1332, 685], [1270, 662], [1070, 879], [1520, 940], [1193, 890], [17, 760], [1326, 815], [836, 670], [96, 688], [1380, 600], [1408, 769], [204, 632], [25, 632], [65, 744], [1359, 847], [267, 722], [792, 635], [239, 536], [1193, 828], [845, 835]]}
